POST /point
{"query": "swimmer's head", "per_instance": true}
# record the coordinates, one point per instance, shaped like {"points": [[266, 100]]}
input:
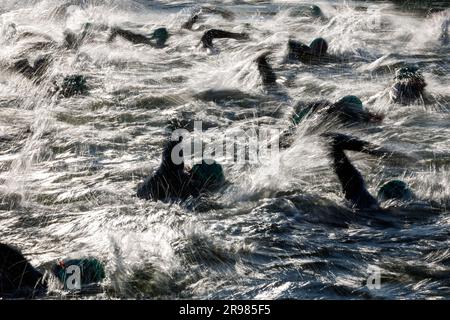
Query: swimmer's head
{"points": [[409, 84], [74, 85], [319, 46], [160, 35], [209, 174], [395, 190], [406, 73], [316, 12], [351, 101]]}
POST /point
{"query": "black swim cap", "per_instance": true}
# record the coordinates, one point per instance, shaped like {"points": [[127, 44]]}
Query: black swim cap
{"points": [[319, 46], [395, 190]]}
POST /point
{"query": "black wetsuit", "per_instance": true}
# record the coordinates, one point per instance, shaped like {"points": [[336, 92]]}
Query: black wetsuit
{"points": [[352, 182], [407, 91], [170, 181], [306, 54], [194, 18], [345, 113], [134, 38], [18, 278], [268, 76], [212, 34], [34, 72]]}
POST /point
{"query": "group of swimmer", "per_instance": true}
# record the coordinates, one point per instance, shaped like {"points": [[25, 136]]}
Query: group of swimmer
{"points": [[174, 182]]}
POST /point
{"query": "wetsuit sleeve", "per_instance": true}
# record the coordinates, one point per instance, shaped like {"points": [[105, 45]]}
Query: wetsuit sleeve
{"points": [[220, 34], [265, 70], [346, 142], [352, 182], [296, 49], [130, 36]]}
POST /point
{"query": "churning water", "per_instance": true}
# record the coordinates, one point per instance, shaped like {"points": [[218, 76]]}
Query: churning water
{"points": [[69, 168]]}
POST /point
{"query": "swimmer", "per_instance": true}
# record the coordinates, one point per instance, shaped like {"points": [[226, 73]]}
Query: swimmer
{"points": [[157, 40], [316, 52], [172, 181], [409, 86], [352, 182], [348, 110]]}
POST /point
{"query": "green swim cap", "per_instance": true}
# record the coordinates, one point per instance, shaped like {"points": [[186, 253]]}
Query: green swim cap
{"points": [[298, 117], [353, 101], [91, 271], [395, 190], [208, 175], [161, 35]]}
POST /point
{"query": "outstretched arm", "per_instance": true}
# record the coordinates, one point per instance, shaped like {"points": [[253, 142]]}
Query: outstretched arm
{"points": [[128, 35], [352, 182], [346, 142], [212, 34]]}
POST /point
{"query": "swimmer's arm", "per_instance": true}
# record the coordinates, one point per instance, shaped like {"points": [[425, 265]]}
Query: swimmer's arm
{"points": [[228, 15], [265, 70], [346, 142], [352, 182], [135, 38], [221, 34]]}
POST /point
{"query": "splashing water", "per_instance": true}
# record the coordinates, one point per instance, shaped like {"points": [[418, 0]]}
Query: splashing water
{"points": [[69, 168]]}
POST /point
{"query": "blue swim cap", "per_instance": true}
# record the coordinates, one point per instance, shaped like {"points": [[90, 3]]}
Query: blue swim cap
{"points": [[161, 35], [208, 175], [395, 190], [91, 270], [319, 46], [352, 101]]}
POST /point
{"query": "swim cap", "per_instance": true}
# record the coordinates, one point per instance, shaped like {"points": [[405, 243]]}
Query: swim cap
{"points": [[407, 73], [352, 101], [316, 12], [298, 117], [319, 46], [208, 175], [73, 84], [161, 35], [395, 190], [91, 271]]}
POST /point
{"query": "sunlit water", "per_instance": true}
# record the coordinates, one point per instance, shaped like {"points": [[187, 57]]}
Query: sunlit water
{"points": [[69, 168]]}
